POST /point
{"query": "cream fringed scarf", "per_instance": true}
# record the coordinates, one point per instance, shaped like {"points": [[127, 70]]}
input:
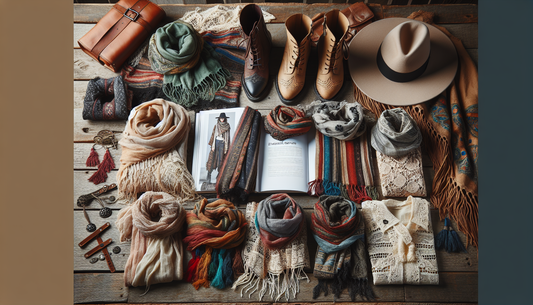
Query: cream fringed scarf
{"points": [[156, 254], [276, 271], [150, 160]]}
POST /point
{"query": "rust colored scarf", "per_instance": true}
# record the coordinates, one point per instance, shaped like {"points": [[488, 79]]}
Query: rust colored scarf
{"points": [[449, 127], [217, 228]]}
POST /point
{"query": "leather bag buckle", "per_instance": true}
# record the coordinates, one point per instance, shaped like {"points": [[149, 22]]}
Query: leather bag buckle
{"points": [[131, 18]]}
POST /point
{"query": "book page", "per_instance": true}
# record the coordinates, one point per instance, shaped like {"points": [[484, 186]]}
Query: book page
{"points": [[311, 154], [284, 164], [205, 178]]}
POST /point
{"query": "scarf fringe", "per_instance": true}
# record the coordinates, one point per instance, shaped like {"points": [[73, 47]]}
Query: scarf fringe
{"points": [[355, 193], [315, 188], [447, 196], [150, 175], [205, 90], [276, 285]]}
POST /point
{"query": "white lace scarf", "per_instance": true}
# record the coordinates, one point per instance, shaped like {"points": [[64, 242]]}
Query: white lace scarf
{"points": [[285, 266], [218, 18]]}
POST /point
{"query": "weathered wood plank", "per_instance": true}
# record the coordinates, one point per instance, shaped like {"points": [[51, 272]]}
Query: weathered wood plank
{"points": [[86, 130], [83, 186], [444, 13], [86, 68], [99, 288], [453, 287], [88, 13]]}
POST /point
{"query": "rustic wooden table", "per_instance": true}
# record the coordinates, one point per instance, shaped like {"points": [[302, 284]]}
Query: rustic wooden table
{"points": [[93, 283]]}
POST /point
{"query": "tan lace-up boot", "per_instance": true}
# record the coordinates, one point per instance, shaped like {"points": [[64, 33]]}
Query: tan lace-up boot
{"points": [[291, 75], [330, 77]]}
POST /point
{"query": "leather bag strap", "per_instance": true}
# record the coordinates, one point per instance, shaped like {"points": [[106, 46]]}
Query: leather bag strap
{"points": [[128, 15]]}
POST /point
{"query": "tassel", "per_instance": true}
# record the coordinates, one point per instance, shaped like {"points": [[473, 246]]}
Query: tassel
{"points": [[103, 168], [227, 272], [448, 239], [321, 286], [93, 159], [214, 265], [193, 265], [107, 164], [203, 269], [99, 176], [238, 266], [218, 280]]}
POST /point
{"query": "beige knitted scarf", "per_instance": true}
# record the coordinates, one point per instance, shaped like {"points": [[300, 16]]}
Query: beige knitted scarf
{"points": [[150, 160], [156, 253]]}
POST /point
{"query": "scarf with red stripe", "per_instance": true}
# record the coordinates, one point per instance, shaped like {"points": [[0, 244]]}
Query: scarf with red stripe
{"points": [[214, 231], [286, 122]]}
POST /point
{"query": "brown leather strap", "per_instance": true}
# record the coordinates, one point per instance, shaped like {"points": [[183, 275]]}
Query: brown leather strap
{"points": [[108, 260], [94, 234], [120, 25], [101, 245]]}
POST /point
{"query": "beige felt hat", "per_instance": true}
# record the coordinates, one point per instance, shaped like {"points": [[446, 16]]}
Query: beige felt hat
{"points": [[400, 61]]}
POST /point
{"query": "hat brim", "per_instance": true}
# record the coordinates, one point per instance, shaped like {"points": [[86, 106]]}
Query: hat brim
{"points": [[365, 73]]}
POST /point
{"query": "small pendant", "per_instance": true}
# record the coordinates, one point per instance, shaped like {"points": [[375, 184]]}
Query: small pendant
{"points": [[101, 257], [93, 260], [91, 227], [105, 212]]}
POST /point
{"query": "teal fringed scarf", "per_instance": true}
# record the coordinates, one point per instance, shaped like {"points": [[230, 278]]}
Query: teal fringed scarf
{"points": [[190, 67]]}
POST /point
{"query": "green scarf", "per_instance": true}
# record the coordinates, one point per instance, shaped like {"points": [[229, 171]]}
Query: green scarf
{"points": [[190, 67]]}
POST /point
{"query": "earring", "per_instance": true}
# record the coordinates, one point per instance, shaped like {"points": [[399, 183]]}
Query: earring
{"points": [[106, 139]]}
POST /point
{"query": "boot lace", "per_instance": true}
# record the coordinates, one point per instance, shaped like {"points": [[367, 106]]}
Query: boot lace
{"points": [[332, 64], [297, 56]]}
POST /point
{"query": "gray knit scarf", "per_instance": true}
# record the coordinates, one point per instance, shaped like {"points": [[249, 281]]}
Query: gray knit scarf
{"points": [[340, 120], [395, 133]]}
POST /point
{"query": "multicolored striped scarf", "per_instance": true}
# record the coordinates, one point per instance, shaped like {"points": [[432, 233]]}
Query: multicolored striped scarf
{"points": [[449, 126], [147, 84], [275, 252], [344, 168], [287, 122], [341, 257], [237, 176], [218, 228]]}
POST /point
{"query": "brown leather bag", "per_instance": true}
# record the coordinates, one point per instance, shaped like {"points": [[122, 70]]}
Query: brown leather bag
{"points": [[358, 14], [121, 31]]}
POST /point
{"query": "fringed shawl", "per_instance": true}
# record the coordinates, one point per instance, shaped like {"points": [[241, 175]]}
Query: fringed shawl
{"points": [[156, 253], [150, 160], [218, 228], [344, 168], [275, 271], [450, 132], [238, 174]]}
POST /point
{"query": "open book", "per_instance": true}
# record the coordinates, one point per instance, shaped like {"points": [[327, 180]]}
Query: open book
{"points": [[283, 166]]}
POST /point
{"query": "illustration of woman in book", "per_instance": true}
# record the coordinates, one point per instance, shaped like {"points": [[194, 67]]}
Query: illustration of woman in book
{"points": [[219, 142]]}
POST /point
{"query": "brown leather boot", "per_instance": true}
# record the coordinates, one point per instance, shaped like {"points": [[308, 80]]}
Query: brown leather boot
{"points": [[330, 76], [258, 47], [291, 75]]}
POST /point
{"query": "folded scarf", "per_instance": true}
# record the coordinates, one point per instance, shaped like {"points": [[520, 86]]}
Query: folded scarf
{"points": [[341, 258], [286, 122], [191, 69], [150, 160], [277, 232], [237, 176], [448, 124], [274, 261], [219, 228], [395, 133], [107, 99], [344, 168], [156, 253], [340, 120]]}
